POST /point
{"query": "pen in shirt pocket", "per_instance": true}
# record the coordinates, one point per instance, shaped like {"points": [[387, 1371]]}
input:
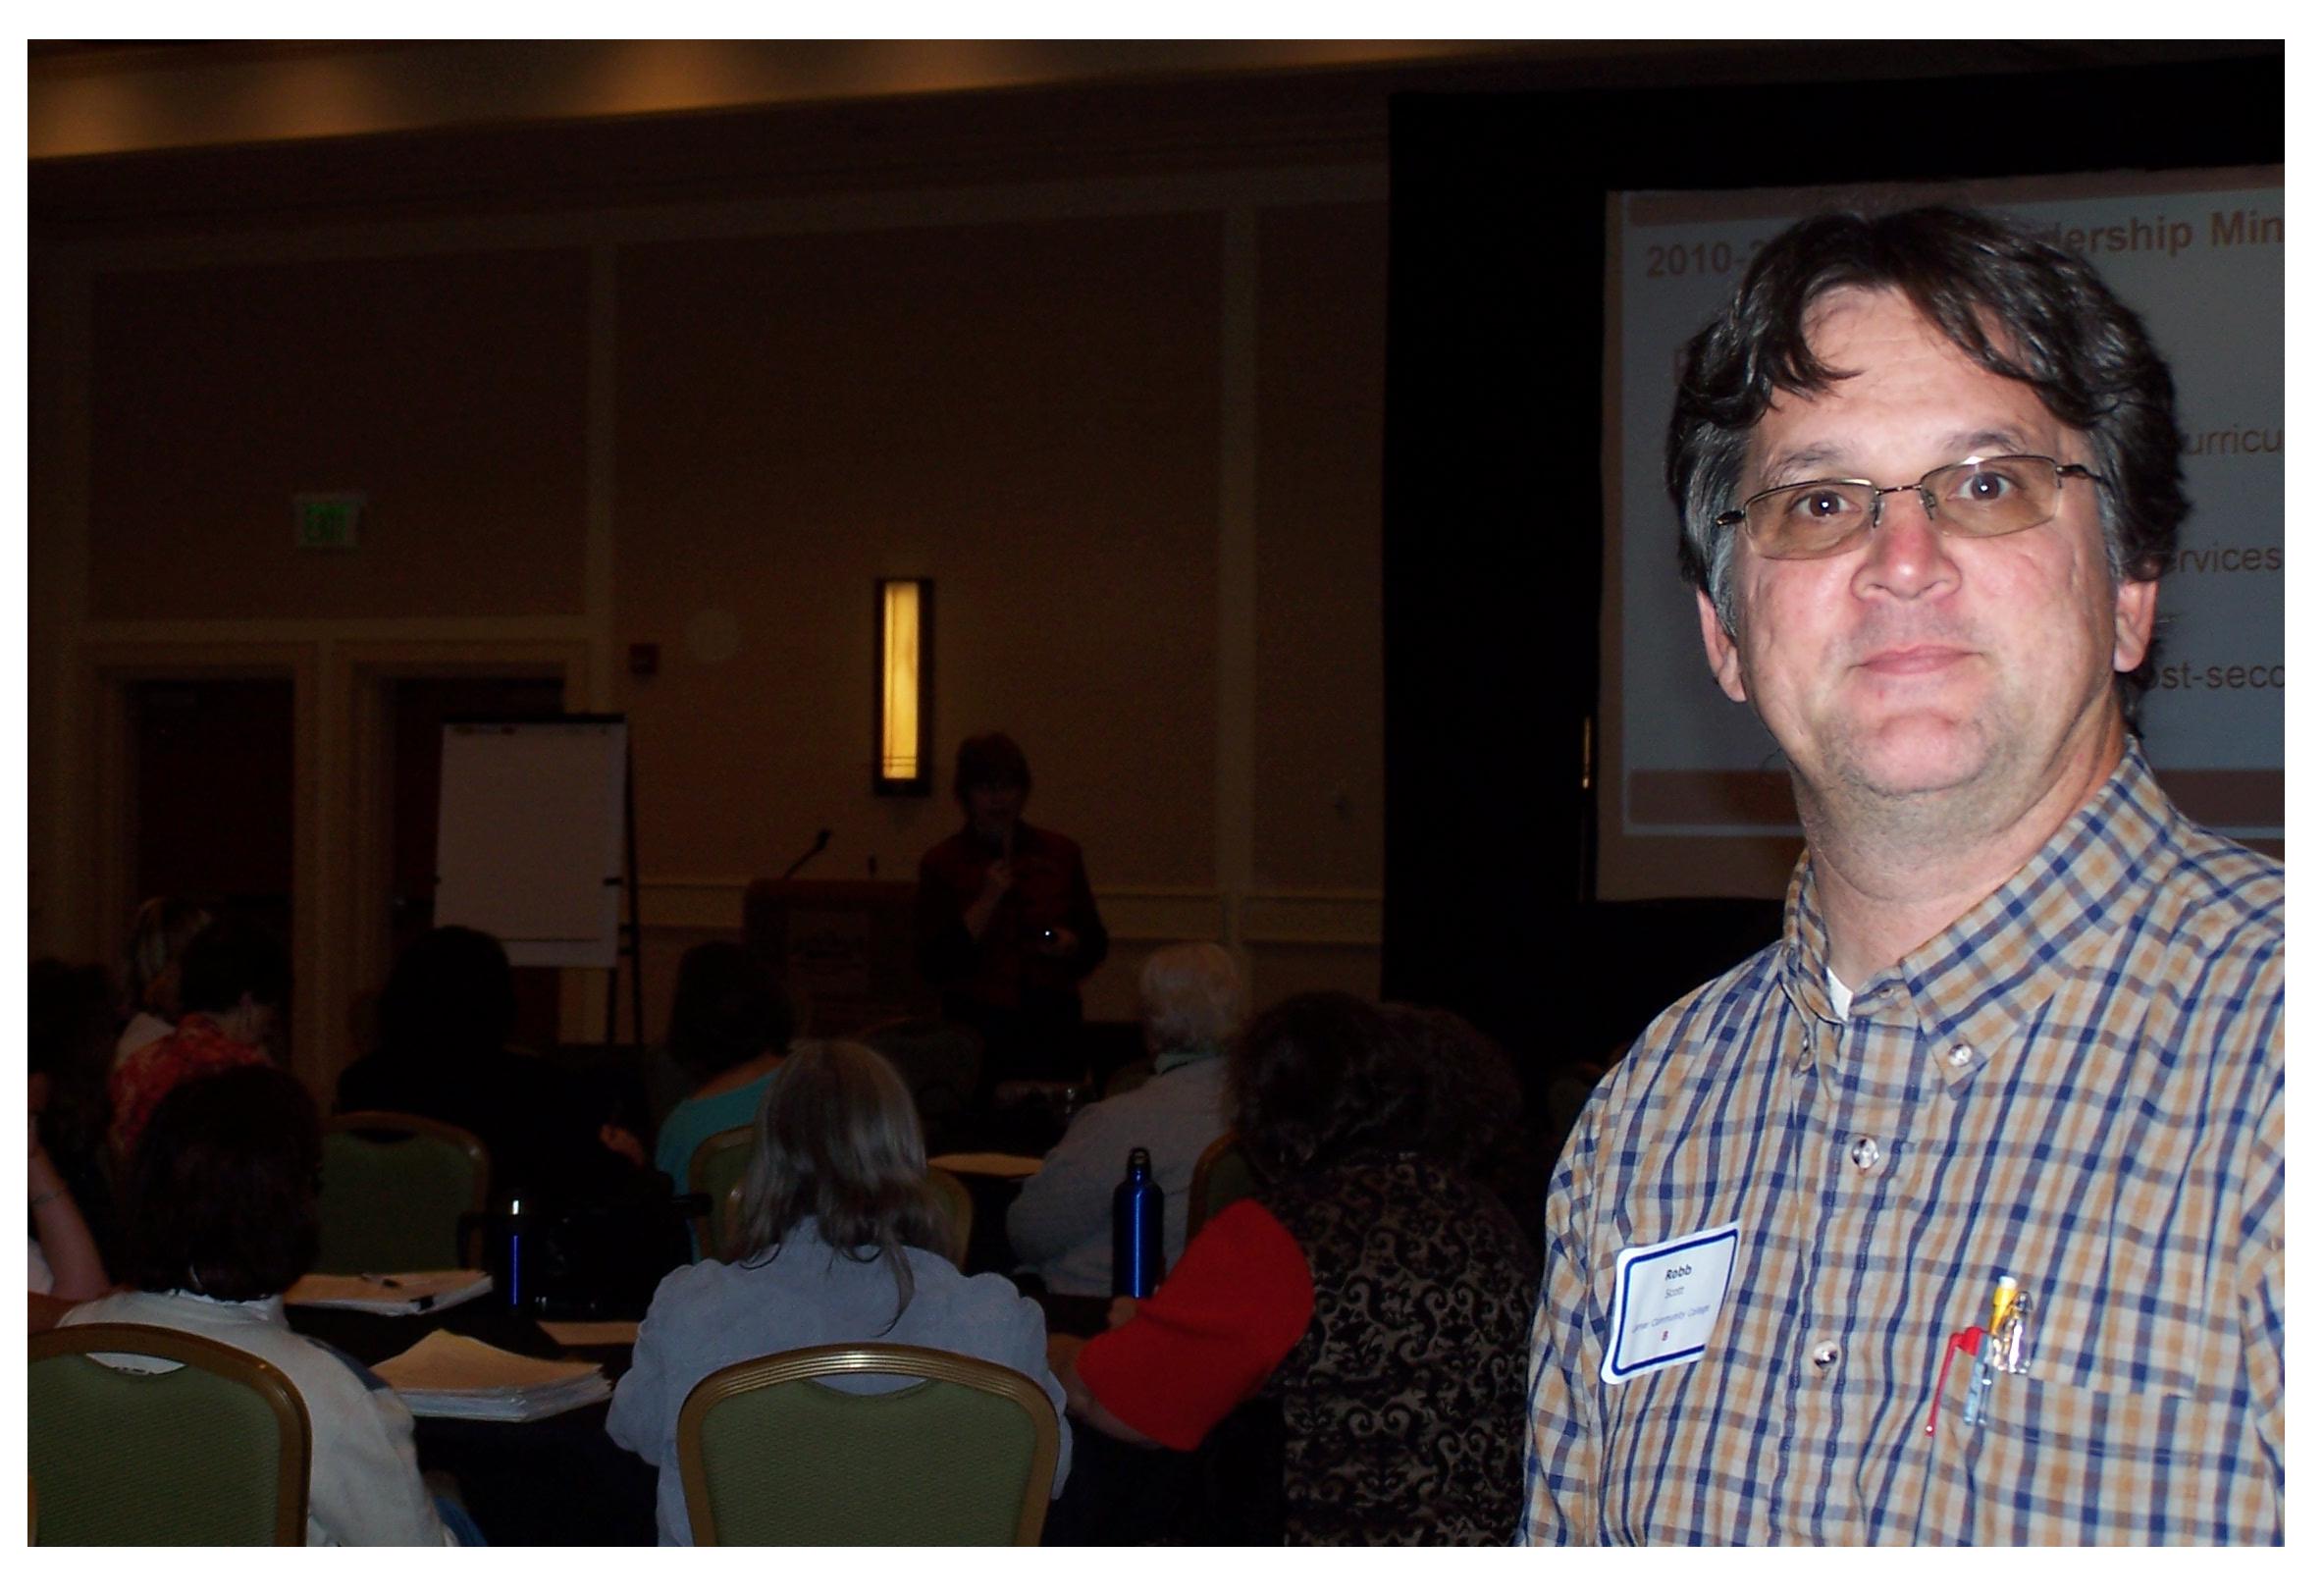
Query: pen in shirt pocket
{"points": [[2004, 1340]]}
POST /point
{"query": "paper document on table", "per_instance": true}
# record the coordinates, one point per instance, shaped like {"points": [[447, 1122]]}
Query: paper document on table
{"points": [[991, 1164], [450, 1375], [390, 1294]]}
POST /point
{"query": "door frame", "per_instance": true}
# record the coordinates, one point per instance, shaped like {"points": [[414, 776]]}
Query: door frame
{"points": [[110, 674]]}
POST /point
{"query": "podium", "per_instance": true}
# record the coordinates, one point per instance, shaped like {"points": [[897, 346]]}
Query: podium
{"points": [[842, 949]]}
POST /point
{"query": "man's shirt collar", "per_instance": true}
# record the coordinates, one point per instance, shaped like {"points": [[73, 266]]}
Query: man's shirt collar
{"points": [[1973, 985]]}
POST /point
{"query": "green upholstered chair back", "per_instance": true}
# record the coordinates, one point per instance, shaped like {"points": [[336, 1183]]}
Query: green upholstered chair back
{"points": [[768, 1456], [1223, 1176], [960, 1210], [716, 1170], [213, 1451], [395, 1188]]}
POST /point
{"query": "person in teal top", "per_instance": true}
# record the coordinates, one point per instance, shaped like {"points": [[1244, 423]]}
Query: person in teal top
{"points": [[729, 1024]]}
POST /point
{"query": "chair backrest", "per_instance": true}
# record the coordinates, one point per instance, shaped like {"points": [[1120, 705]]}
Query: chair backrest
{"points": [[1223, 1176], [395, 1188], [960, 1208], [716, 1170], [213, 1451], [768, 1456]]}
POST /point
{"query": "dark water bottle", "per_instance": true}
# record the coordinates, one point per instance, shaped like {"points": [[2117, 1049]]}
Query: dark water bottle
{"points": [[1137, 1229]]}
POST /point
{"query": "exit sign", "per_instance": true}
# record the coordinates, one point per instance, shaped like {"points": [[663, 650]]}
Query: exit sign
{"points": [[326, 520]]}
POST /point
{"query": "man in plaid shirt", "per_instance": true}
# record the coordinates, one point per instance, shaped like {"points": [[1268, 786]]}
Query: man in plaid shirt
{"points": [[1956, 1216]]}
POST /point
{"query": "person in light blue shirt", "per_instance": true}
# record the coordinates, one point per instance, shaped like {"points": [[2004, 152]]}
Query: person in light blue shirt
{"points": [[728, 1027], [843, 1241], [1061, 1224]]}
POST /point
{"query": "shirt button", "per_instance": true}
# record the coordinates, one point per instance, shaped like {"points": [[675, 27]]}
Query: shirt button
{"points": [[1961, 1056], [1865, 1154], [1825, 1352]]}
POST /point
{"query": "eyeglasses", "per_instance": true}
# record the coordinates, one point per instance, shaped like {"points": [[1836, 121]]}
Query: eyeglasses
{"points": [[1977, 498]]}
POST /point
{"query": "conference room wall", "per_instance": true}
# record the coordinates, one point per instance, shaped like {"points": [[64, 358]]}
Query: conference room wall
{"points": [[1025, 412], [1131, 430], [450, 389]]}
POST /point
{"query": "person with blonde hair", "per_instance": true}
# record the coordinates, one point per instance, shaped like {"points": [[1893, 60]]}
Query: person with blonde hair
{"points": [[1061, 1224], [149, 969], [844, 1243]]}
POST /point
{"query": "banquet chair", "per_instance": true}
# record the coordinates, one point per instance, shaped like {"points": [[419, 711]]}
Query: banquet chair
{"points": [[716, 1171], [768, 1455], [212, 1450], [1223, 1176], [396, 1187]]}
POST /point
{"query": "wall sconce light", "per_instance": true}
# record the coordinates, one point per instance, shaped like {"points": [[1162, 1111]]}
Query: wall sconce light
{"points": [[905, 714]]}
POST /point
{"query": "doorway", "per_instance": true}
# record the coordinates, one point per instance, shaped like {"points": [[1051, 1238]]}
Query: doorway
{"points": [[211, 788]]}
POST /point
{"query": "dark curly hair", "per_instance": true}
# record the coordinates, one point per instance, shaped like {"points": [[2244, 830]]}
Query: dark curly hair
{"points": [[1321, 1075], [2017, 306], [221, 1194], [1475, 1106]]}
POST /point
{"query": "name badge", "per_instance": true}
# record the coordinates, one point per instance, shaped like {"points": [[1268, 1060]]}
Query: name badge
{"points": [[1665, 1302]]}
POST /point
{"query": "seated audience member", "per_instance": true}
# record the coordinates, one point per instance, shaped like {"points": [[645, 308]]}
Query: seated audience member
{"points": [[221, 1207], [845, 1242], [728, 1026], [233, 983], [1490, 1135], [72, 1017], [444, 1054], [1373, 1287], [149, 970], [1062, 1222]]}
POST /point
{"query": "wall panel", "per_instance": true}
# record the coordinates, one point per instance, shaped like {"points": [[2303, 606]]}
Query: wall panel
{"points": [[1026, 412], [1323, 302], [448, 387]]}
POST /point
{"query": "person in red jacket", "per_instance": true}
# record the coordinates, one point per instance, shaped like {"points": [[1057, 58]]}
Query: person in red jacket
{"points": [[1005, 927]]}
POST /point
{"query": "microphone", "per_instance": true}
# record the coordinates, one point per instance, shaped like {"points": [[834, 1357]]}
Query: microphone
{"points": [[823, 839]]}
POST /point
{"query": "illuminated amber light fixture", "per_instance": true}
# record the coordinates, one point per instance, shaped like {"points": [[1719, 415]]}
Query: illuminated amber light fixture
{"points": [[900, 766]]}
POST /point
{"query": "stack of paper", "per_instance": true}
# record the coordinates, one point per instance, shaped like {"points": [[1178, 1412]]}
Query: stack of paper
{"points": [[449, 1375], [390, 1294]]}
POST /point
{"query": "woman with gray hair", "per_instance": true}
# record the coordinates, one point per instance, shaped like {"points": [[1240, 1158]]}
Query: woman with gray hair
{"points": [[844, 1239], [1062, 1223]]}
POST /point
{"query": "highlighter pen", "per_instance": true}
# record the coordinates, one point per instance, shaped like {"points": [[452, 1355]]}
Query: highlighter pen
{"points": [[2005, 1295]]}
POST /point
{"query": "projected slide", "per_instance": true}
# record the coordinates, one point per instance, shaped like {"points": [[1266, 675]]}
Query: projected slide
{"points": [[2200, 256]]}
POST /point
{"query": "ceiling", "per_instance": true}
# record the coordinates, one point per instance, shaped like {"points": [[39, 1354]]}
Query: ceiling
{"points": [[128, 136]]}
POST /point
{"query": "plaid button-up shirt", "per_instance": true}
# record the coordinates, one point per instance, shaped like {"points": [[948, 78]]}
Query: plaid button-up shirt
{"points": [[2079, 1083]]}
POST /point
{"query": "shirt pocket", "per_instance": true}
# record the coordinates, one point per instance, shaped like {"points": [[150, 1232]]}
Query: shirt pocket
{"points": [[2101, 1462]]}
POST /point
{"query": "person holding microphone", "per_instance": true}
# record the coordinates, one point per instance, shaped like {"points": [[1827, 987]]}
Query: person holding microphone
{"points": [[1005, 925]]}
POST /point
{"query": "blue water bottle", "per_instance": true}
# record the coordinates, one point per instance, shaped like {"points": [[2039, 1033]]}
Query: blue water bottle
{"points": [[515, 1269], [1137, 1229]]}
